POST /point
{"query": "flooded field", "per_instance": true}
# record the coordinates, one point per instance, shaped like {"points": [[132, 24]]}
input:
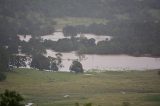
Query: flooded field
{"points": [[108, 62]]}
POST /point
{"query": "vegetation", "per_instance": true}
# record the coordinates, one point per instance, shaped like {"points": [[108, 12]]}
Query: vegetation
{"points": [[140, 88], [42, 62], [2, 76], [82, 45], [88, 104], [125, 34], [17, 61], [134, 26], [33, 47], [76, 67], [4, 60], [61, 22], [65, 45], [125, 104], [158, 72], [69, 31], [11, 98], [135, 30]]}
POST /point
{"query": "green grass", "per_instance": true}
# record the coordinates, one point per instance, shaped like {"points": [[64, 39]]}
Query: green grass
{"points": [[104, 89], [61, 22]]}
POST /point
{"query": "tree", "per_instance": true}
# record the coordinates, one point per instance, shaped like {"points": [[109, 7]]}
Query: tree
{"points": [[33, 47], [56, 63], [125, 104], [59, 60], [4, 60], [2, 76], [35, 24], [65, 45], [88, 104], [18, 61], [159, 73], [76, 104], [40, 62], [53, 63], [11, 98], [76, 67], [69, 31]]}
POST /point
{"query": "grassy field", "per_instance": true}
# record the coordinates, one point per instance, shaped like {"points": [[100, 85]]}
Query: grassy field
{"points": [[61, 22], [101, 89]]}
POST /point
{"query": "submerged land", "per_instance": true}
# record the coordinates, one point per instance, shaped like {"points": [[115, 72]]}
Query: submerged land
{"points": [[138, 88]]}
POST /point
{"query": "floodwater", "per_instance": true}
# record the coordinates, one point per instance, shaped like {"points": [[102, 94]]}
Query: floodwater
{"points": [[108, 62], [100, 62], [59, 35], [25, 38]]}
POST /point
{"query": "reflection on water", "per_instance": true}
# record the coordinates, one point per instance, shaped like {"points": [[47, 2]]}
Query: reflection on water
{"points": [[109, 62]]}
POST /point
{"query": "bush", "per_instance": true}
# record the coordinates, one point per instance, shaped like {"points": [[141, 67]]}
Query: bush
{"points": [[125, 104], [76, 67], [11, 98], [76, 104], [88, 104], [69, 31], [2, 76], [158, 72], [40, 62]]}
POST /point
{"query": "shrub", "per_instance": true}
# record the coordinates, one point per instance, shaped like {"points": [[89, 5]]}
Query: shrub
{"points": [[125, 104], [76, 104], [158, 72], [2, 76], [76, 67], [11, 98], [88, 104]]}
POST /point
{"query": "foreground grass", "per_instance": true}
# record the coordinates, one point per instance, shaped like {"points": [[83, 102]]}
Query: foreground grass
{"points": [[103, 89]]}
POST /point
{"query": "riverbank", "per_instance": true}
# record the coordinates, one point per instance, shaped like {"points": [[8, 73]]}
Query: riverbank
{"points": [[140, 88]]}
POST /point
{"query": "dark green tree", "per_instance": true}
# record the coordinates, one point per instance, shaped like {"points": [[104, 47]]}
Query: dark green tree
{"points": [[76, 67], [18, 60], [53, 63], [2, 76], [11, 98], [4, 60], [88, 104], [40, 62], [59, 60], [64, 45], [76, 104], [69, 31], [4, 63], [33, 47], [35, 24], [56, 63]]}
